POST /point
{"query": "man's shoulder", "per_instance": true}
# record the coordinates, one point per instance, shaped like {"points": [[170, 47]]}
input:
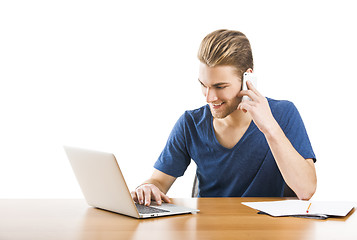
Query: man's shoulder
{"points": [[198, 112], [283, 110], [280, 105], [198, 115]]}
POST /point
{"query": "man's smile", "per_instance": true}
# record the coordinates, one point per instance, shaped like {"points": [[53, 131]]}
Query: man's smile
{"points": [[217, 105]]}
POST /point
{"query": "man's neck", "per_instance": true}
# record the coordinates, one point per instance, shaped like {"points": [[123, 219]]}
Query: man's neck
{"points": [[236, 119]]}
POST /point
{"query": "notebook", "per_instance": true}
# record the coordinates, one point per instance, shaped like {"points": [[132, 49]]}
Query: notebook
{"points": [[104, 187], [304, 209]]}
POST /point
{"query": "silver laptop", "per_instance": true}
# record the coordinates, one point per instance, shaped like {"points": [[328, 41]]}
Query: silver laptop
{"points": [[104, 187]]}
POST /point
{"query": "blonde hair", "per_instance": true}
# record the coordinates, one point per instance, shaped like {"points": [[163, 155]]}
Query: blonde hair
{"points": [[226, 47]]}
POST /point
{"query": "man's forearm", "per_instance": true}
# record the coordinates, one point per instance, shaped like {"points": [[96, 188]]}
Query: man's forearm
{"points": [[298, 173], [161, 180]]}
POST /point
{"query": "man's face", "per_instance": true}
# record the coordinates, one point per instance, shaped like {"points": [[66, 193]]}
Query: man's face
{"points": [[220, 86]]}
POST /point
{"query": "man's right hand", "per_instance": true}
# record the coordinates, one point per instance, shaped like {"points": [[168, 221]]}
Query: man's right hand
{"points": [[147, 192]]}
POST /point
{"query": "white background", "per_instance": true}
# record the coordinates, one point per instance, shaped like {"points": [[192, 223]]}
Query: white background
{"points": [[116, 75]]}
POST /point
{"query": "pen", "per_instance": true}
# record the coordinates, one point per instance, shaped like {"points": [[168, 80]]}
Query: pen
{"points": [[307, 210], [319, 216]]}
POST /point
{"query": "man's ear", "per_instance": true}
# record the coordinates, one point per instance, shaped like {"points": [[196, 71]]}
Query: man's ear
{"points": [[249, 70]]}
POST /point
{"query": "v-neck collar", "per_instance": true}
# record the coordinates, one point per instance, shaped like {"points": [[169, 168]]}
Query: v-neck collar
{"points": [[249, 129]]}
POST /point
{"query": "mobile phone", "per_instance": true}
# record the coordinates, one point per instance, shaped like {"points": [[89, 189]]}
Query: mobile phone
{"points": [[247, 76]]}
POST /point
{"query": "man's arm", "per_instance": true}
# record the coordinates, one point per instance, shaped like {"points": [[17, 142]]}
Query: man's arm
{"points": [[298, 173], [155, 188]]}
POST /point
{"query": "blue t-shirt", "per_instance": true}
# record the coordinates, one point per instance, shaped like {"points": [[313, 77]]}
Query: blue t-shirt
{"points": [[246, 170]]}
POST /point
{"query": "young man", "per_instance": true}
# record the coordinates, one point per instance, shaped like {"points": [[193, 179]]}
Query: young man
{"points": [[247, 148]]}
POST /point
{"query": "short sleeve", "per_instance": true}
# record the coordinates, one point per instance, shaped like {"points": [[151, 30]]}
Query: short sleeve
{"points": [[174, 159], [294, 129]]}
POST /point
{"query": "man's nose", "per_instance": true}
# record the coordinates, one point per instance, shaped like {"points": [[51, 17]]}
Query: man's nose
{"points": [[210, 95]]}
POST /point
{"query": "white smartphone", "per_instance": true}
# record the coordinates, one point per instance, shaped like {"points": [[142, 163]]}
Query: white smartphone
{"points": [[248, 77]]}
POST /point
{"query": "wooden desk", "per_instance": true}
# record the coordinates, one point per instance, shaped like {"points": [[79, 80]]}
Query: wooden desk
{"points": [[220, 218]]}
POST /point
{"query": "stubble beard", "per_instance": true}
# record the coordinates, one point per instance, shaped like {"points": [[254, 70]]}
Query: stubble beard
{"points": [[227, 108]]}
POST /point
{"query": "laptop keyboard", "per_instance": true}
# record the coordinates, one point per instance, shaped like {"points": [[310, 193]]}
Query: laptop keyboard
{"points": [[147, 210]]}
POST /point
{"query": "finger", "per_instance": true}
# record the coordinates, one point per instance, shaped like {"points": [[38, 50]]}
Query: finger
{"points": [[165, 198], [139, 194], [147, 195], [245, 106], [252, 87], [243, 109], [250, 94], [156, 195], [133, 196], [240, 107]]}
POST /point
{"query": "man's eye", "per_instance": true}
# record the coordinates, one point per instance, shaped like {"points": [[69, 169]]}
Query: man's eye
{"points": [[221, 87]]}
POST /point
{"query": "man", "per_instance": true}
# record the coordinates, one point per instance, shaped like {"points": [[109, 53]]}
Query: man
{"points": [[247, 148]]}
